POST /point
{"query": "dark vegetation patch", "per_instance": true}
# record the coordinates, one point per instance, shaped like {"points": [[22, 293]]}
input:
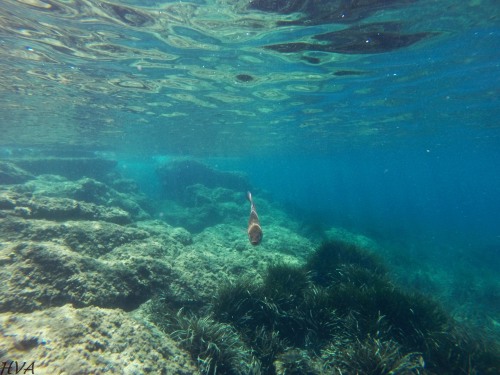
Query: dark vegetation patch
{"points": [[341, 73], [311, 60], [362, 39], [338, 314], [326, 11], [244, 77]]}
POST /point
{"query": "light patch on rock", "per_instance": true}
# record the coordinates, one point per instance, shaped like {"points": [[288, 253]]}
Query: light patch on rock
{"points": [[92, 340]]}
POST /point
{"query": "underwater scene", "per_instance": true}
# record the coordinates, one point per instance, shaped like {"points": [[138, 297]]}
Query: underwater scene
{"points": [[261, 187]]}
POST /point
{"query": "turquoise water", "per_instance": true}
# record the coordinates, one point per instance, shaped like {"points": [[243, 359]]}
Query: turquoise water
{"points": [[389, 127]]}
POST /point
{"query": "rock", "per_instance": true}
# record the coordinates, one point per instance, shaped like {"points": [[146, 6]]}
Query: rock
{"points": [[177, 175], [90, 191], [222, 253], [59, 209], [193, 219], [12, 174], [7, 200], [41, 274], [123, 185], [93, 238], [204, 207], [49, 263], [357, 239], [182, 235], [90, 340], [70, 209]]}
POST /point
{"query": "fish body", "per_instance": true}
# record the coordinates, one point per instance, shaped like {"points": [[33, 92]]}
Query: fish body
{"points": [[254, 229]]}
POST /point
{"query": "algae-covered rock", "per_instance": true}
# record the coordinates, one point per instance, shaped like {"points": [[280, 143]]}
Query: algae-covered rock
{"points": [[12, 174], [165, 232], [93, 238], [49, 263], [218, 254], [182, 235], [340, 234], [59, 209], [8, 200], [42, 274], [90, 340], [88, 190]]}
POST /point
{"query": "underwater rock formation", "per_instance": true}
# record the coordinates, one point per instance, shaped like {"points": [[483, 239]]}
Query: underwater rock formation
{"points": [[199, 196], [177, 175], [203, 207], [62, 209], [119, 193], [39, 274], [57, 248], [12, 174], [80, 242], [91, 283]]}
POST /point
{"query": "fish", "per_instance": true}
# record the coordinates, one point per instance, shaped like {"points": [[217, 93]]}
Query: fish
{"points": [[254, 229]]}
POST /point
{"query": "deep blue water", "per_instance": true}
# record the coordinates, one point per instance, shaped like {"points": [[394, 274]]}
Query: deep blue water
{"points": [[431, 178], [446, 195]]}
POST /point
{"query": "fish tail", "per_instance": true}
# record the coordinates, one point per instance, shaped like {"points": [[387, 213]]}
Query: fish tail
{"points": [[249, 197]]}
